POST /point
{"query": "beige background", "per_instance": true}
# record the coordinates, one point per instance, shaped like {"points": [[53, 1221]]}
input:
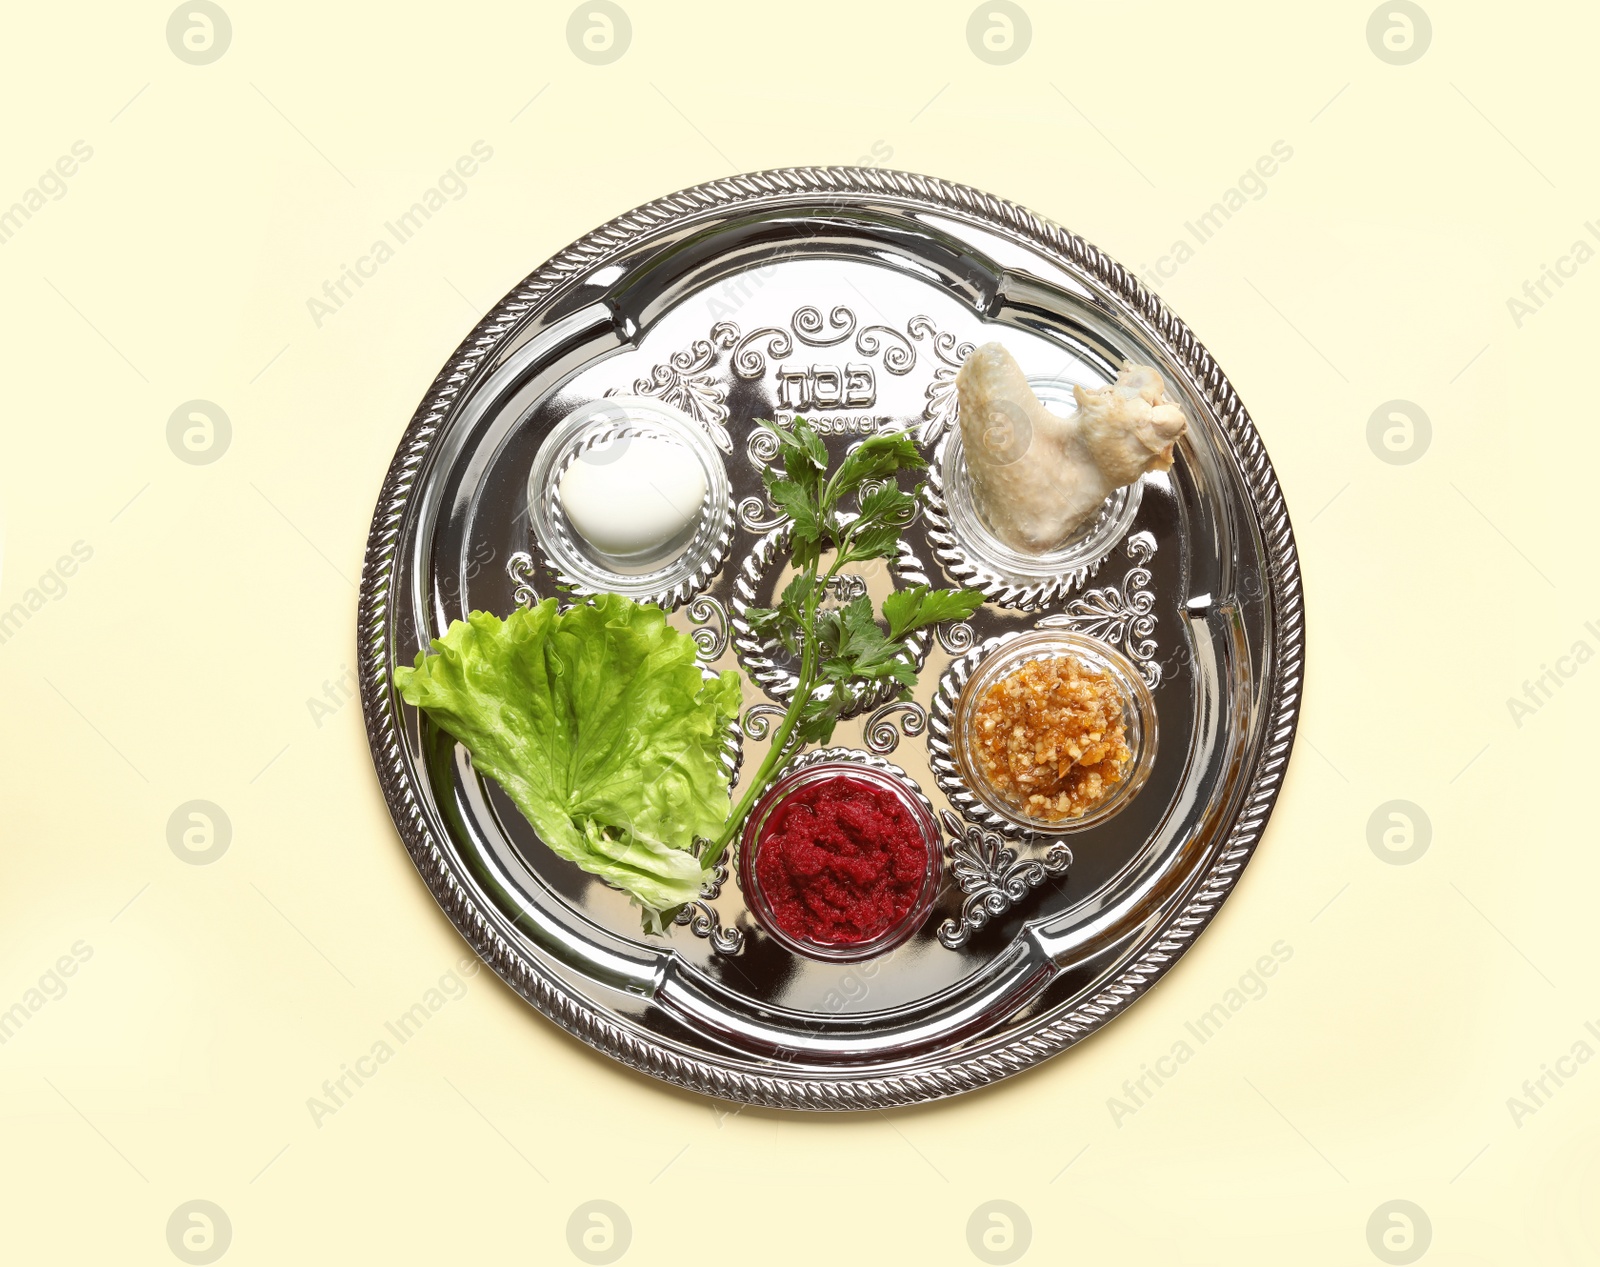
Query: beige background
{"points": [[220, 598]]}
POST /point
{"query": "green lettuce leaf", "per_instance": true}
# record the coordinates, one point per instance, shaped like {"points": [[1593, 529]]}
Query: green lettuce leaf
{"points": [[600, 727]]}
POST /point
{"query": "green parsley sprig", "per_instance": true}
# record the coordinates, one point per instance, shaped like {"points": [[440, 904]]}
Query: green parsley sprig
{"points": [[846, 645]]}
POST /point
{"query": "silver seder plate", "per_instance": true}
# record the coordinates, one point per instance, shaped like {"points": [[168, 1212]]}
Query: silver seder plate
{"points": [[848, 295]]}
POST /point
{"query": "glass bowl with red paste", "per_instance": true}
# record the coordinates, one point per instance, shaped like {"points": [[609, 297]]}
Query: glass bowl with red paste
{"points": [[840, 861]]}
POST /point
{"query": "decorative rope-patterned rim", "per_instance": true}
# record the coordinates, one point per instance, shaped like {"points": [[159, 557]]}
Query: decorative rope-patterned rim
{"points": [[941, 743], [983, 1062]]}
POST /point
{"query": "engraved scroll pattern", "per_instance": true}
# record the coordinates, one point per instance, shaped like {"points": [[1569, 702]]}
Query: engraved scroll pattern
{"points": [[688, 381], [1122, 615], [991, 876]]}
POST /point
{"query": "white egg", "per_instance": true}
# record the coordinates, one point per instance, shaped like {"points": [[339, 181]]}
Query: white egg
{"points": [[634, 499]]}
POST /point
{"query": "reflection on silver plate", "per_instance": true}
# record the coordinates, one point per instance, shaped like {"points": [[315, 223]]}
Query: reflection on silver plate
{"points": [[850, 296]]}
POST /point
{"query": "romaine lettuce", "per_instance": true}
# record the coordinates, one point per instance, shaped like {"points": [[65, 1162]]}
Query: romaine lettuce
{"points": [[601, 728]]}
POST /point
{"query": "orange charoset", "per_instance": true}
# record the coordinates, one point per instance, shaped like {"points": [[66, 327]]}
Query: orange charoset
{"points": [[1051, 740]]}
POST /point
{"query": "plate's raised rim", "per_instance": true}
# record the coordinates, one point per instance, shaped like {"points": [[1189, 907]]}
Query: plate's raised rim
{"points": [[984, 1062]]}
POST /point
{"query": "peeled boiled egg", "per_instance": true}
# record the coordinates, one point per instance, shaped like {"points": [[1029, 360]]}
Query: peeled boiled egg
{"points": [[635, 499]]}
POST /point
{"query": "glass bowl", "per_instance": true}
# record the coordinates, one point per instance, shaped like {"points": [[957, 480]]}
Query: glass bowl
{"points": [[1138, 718], [755, 837], [1090, 543], [597, 432]]}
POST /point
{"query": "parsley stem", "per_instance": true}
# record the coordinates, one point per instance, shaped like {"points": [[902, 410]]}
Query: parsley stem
{"points": [[805, 683]]}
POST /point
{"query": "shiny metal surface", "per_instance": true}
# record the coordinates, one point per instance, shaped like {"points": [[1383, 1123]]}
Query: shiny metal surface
{"points": [[849, 295]]}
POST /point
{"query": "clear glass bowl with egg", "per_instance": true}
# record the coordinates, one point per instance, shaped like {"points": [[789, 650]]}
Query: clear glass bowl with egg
{"points": [[628, 495]]}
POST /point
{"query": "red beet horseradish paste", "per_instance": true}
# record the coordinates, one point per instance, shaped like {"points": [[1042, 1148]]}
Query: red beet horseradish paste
{"points": [[840, 860]]}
